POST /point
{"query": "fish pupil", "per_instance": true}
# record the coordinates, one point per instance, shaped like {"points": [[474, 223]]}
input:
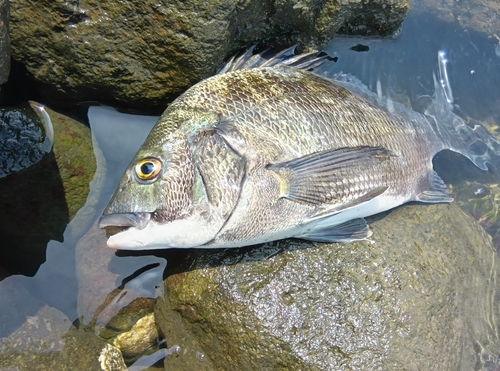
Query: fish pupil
{"points": [[147, 168]]}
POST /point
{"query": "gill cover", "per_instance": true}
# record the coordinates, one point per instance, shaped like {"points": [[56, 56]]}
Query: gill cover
{"points": [[221, 171]]}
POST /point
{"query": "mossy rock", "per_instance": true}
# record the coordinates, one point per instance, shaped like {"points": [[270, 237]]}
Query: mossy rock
{"points": [[421, 296], [142, 54]]}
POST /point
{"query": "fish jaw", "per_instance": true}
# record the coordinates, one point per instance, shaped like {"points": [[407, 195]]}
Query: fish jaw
{"points": [[182, 233]]}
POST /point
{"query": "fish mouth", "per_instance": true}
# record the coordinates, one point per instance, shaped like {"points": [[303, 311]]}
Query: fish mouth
{"points": [[116, 223]]}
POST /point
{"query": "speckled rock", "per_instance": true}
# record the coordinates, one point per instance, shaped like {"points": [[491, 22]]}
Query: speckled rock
{"points": [[144, 53], [23, 139], [4, 41], [48, 341], [422, 297]]}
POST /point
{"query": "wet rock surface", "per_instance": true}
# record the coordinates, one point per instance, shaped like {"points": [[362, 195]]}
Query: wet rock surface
{"points": [[421, 297], [4, 41], [48, 341], [144, 54]]}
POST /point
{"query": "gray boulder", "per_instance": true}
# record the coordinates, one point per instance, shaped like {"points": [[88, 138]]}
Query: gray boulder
{"points": [[144, 53], [421, 297]]}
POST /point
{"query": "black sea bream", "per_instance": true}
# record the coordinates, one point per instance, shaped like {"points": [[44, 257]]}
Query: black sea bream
{"points": [[266, 150]]}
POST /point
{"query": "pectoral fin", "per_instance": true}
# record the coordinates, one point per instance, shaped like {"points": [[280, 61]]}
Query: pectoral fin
{"points": [[322, 177]]}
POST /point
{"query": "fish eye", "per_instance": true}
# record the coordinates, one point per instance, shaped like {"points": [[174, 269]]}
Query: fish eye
{"points": [[148, 168]]}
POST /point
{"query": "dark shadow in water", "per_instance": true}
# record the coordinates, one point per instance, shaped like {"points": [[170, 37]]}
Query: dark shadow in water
{"points": [[455, 168], [33, 211], [20, 87]]}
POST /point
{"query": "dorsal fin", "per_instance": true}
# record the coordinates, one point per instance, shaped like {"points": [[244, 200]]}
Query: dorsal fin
{"points": [[249, 60], [308, 62]]}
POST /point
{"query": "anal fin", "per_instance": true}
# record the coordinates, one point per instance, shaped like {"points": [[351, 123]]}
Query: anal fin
{"points": [[353, 230], [438, 192]]}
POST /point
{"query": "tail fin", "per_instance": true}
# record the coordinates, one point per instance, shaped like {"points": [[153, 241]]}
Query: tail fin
{"points": [[476, 143]]}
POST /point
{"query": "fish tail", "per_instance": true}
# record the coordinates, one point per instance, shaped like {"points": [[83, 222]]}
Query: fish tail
{"points": [[476, 143]]}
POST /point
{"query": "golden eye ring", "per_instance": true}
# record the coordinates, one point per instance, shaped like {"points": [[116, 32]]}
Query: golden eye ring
{"points": [[148, 169]]}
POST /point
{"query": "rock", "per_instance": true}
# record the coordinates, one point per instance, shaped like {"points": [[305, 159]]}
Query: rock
{"points": [[481, 201], [46, 196], [142, 54], [142, 336], [23, 139], [4, 41], [421, 297], [481, 15], [48, 341], [116, 295], [75, 158], [113, 292]]}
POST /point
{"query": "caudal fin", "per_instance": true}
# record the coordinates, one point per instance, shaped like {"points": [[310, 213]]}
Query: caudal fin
{"points": [[476, 143]]}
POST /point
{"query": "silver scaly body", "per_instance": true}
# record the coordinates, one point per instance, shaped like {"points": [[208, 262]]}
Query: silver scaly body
{"points": [[266, 150]]}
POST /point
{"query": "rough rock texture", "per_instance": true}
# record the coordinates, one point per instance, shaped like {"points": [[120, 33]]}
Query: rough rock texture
{"points": [[142, 336], [23, 140], [145, 53], [422, 297], [50, 192], [478, 15], [47, 341], [4, 41]]}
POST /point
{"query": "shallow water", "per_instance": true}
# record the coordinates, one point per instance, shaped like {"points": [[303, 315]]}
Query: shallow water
{"points": [[402, 66]]}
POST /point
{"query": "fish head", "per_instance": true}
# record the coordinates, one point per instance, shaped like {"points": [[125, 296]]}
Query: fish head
{"points": [[162, 200]]}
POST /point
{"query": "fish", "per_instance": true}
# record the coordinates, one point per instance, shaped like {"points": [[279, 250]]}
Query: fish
{"points": [[269, 149]]}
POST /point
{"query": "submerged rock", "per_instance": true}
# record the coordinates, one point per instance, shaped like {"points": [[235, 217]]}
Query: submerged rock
{"points": [[48, 341], [480, 15], [482, 201], [144, 53], [116, 295], [421, 297], [141, 337]]}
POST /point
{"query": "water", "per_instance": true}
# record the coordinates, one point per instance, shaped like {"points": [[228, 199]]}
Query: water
{"points": [[400, 68]]}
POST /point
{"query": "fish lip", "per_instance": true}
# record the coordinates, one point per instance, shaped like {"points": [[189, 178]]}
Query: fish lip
{"points": [[125, 220]]}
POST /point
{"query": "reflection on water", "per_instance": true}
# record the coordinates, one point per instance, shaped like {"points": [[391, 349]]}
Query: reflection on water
{"points": [[84, 280]]}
